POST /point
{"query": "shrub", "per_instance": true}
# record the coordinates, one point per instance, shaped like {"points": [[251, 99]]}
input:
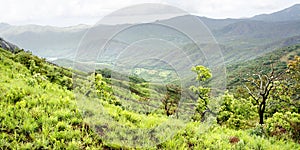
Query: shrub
{"points": [[284, 125]]}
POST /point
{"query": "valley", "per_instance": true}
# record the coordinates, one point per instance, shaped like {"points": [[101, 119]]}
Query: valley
{"points": [[152, 85]]}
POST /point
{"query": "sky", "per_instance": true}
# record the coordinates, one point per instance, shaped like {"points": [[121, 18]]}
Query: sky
{"points": [[72, 12]]}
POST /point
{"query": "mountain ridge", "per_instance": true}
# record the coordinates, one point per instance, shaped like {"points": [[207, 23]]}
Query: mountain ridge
{"points": [[288, 14], [242, 36]]}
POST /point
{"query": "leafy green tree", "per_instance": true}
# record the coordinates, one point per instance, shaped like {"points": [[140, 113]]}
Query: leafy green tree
{"points": [[203, 74], [236, 113], [285, 98], [104, 92], [294, 74], [279, 99]]}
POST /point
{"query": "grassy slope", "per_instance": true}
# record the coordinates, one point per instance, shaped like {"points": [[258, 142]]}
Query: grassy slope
{"points": [[36, 113]]}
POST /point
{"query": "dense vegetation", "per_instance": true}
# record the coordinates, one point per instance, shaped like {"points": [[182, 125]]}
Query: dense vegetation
{"points": [[40, 111], [269, 85], [37, 109]]}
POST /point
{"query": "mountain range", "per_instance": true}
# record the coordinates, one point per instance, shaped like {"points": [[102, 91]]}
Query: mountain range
{"points": [[239, 39]]}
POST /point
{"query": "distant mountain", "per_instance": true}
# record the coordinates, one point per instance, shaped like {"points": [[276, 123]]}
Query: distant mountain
{"points": [[248, 39], [260, 30], [288, 14], [240, 39], [45, 41], [215, 24]]}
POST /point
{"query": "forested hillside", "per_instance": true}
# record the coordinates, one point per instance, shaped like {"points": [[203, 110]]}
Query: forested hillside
{"points": [[40, 111], [279, 59]]}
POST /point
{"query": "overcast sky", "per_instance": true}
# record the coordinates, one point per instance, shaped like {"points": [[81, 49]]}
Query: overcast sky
{"points": [[73, 12]]}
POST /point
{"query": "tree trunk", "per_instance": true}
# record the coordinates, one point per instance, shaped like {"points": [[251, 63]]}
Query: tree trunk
{"points": [[261, 116]]}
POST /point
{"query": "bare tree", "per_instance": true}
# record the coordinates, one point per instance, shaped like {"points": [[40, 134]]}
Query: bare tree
{"points": [[259, 87]]}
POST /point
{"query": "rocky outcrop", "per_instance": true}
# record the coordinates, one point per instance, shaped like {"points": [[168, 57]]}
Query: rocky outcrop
{"points": [[7, 46]]}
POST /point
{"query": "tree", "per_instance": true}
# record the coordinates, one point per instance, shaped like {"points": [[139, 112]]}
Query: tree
{"points": [[285, 122], [104, 92], [203, 74], [294, 74], [259, 87], [171, 100], [236, 113]]}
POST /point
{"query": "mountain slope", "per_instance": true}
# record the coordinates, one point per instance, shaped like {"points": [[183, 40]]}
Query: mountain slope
{"points": [[36, 111], [260, 29], [279, 58], [40, 114], [6, 45], [240, 39], [289, 14], [45, 41]]}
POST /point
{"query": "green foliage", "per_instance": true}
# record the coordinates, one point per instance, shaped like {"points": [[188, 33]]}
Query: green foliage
{"points": [[104, 92], [258, 130], [280, 100], [283, 100], [192, 137], [278, 58], [39, 111], [135, 79], [284, 126], [203, 74], [38, 114], [236, 113], [106, 73], [50, 72], [171, 100], [294, 75], [262, 86], [139, 86]]}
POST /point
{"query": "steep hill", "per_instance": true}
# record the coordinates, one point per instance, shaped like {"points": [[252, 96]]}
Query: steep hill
{"points": [[6, 45], [38, 111]]}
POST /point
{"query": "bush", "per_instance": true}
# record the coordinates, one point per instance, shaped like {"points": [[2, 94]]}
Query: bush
{"points": [[236, 113], [284, 125]]}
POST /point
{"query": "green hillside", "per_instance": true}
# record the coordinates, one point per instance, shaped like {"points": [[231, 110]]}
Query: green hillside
{"points": [[39, 110], [279, 58]]}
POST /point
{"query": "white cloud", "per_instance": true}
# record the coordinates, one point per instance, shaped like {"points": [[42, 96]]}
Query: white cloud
{"points": [[71, 12]]}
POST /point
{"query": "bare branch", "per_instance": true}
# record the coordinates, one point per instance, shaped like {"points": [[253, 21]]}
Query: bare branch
{"points": [[252, 81], [259, 76], [250, 93]]}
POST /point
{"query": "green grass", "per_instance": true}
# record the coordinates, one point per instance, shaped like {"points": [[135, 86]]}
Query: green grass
{"points": [[219, 138], [38, 111], [38, 114]]}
